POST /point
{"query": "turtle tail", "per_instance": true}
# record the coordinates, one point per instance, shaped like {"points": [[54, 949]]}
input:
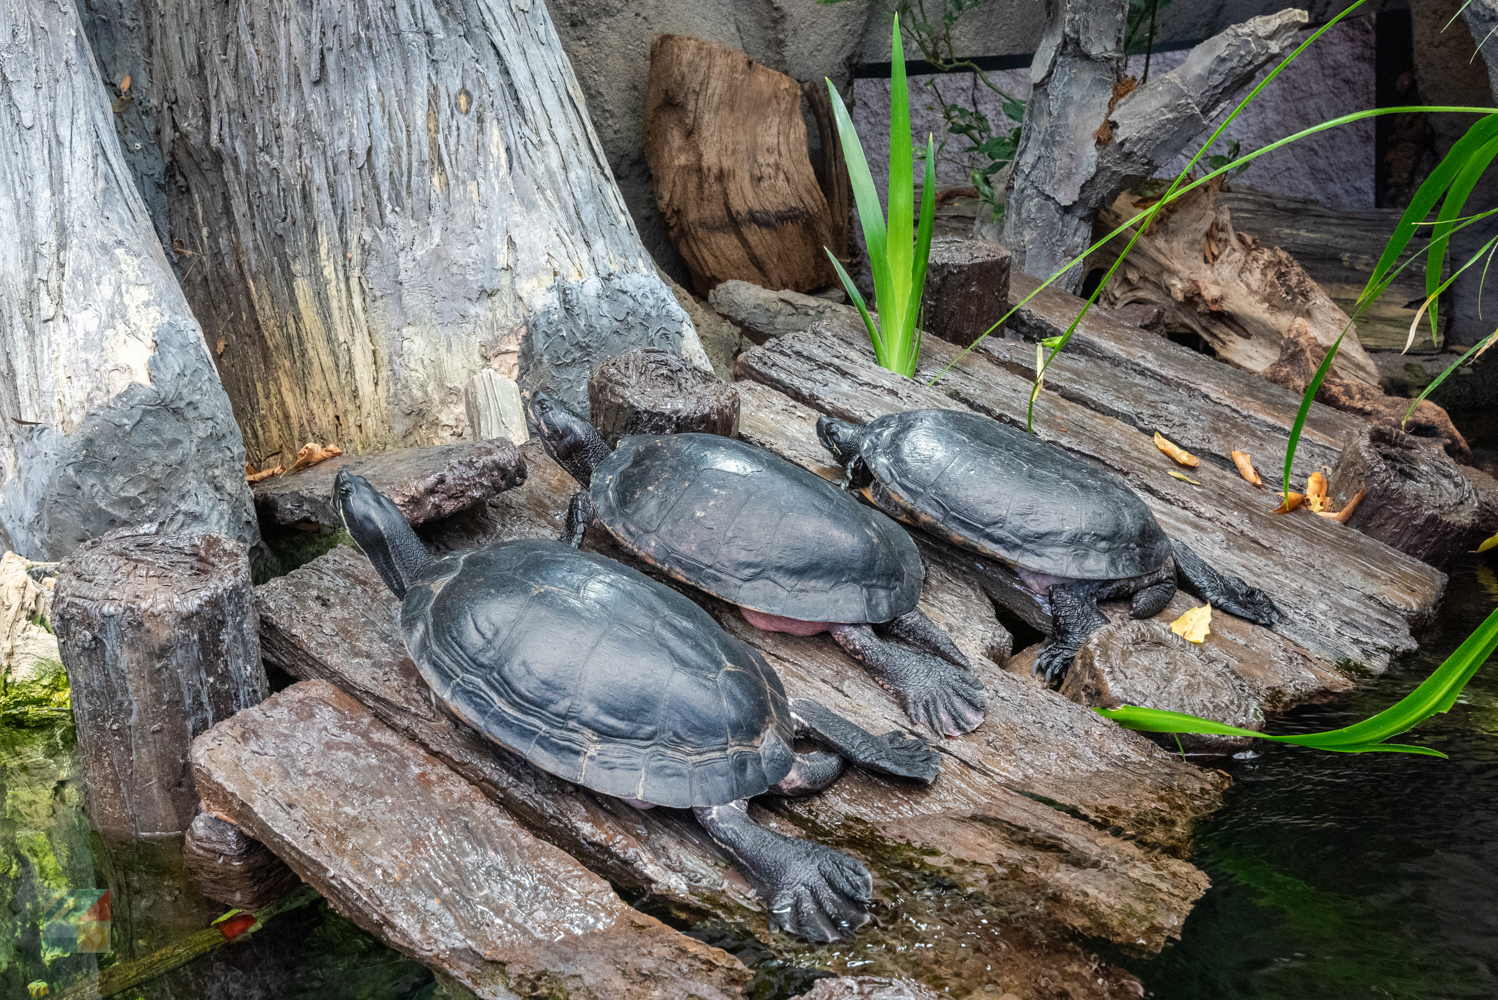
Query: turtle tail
{"points": [[1228, 593]]}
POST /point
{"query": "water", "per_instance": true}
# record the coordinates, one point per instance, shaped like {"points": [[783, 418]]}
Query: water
{"points": [[1368, 875]]}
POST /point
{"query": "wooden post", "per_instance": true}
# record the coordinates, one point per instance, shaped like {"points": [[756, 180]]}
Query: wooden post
{"points": [[651, 392], [967, 288], [159, 636], [234, 868]]}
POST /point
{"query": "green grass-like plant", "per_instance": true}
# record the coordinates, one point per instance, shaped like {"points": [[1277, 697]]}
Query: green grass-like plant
{"points": [[898, 251]]}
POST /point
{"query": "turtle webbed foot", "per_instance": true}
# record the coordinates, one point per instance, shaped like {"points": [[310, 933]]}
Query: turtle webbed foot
{"points": [[1053, 662], [895, 754], [905, 756], [935, 693]]}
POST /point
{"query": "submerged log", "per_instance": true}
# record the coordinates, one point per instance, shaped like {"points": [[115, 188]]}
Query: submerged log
{"points": [[425, 483], [1415, 497], [1346, 596], [405, 848], [651, 392], [727, 148], [967, 289], [158, 634], [232, 867]]}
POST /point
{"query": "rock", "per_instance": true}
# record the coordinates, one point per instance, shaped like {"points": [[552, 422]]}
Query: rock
{"points": [[494, 408], [1300, 356], [721, 339], [652, 392], [764, 314], [967, 289], [25, 603], [868, 988], [415, 855], [232, 867], [159, 637], [425, 483], [1417, 498]]}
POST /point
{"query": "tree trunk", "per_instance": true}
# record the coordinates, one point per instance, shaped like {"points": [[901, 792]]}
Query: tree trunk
{"points": [[160, 639], [650, 392], [109, 406], [1089, 132], [370, 204]]}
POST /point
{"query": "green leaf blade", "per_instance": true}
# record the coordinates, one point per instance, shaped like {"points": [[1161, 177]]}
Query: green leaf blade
{"points": [[865, 196], [900, 245]]}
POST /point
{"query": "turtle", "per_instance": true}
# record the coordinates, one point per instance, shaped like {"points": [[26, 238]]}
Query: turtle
{"points": [[791, 550], [1074, 534], [608, 679]]}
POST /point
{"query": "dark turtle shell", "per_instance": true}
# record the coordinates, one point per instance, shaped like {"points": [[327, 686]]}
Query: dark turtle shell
{"points": [[598, 674], [750, 527], [1009, 495]]}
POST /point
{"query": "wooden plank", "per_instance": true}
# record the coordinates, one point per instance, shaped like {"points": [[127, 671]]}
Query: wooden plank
{"points": [[404, 847], [1345, 596]]}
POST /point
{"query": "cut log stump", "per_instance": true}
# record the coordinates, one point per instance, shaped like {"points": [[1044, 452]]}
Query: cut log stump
{"points": [[967, 289], [425, 483], [1416, 498], [652, 392], [158, 634], [232, 867], [727, 148], [404, 847]]}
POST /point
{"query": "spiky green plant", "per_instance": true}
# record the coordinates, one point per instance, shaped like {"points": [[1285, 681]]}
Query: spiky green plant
{"points": [[898, 251]]}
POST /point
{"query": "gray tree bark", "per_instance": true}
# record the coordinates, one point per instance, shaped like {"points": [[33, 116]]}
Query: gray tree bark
{"points": [[1087, 135], [110, 411], [369, 204]]}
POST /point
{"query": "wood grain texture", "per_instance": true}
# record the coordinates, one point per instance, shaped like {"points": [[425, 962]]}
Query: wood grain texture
{"points": [[159, 637], [727, 147], [232, 867], [652, 392], [404, 847]]}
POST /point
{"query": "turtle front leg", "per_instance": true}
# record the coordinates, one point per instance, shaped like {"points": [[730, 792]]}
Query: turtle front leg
{"points": [[811, 890], [1075, 614], [894, 754], [1227, 593], [935, 693], [579, 516], [923, 633], [1152, 600]]}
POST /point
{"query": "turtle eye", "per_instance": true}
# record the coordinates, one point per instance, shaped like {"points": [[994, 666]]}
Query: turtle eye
{"points": [[346, 490]]}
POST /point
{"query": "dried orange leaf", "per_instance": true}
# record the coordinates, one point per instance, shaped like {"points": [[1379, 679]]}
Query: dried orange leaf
{"points": [[255, 477], [1182, 477], [125, 83], [1175, 451], [1291, 502], [1342, 515], [312, 453], [1246, 468], [1316, 487], [1193, 626]]}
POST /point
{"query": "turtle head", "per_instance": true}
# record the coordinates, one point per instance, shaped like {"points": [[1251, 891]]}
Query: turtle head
{"points": [[568, 438], [381, 531], [840, 437]]}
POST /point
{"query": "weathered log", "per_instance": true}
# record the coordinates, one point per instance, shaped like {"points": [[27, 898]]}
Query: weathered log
{"points": [[1301, 355], [1346, 596], [651, 392], [425, 483], [158, 633], [378, 223], [1415, 497], [1338, 248], [1089, 133], [415, 855], [110, 411], [727, 147], [234, 868], [833, 168], [1239, 297], [763, 313], [967, 289]]}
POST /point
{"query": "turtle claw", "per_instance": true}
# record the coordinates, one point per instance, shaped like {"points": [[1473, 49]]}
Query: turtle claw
{"points": [[822, 895], [1053, 663]]}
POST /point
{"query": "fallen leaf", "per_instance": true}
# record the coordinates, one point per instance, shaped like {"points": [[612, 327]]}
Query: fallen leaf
{"points": [[125, 83], [255, 477], [1291, 502], [313, 453], [222, 343], [1246, 468], [1487, 544], [1316, 491], [1174, 451], [1342, 515], [1182, 477], [1193, 625]]}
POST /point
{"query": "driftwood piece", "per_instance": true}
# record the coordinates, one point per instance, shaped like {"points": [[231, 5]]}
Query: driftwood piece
{"points": [[967, 289], [159, 637], [404, 847], [495, 409], [833, 168], [1417, 499], [1345, 596], [1301, 355], [425, 483], [652, 392], [763, 313], [727, 147], [1338, 248], [1237, 296], [232, 867]]}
